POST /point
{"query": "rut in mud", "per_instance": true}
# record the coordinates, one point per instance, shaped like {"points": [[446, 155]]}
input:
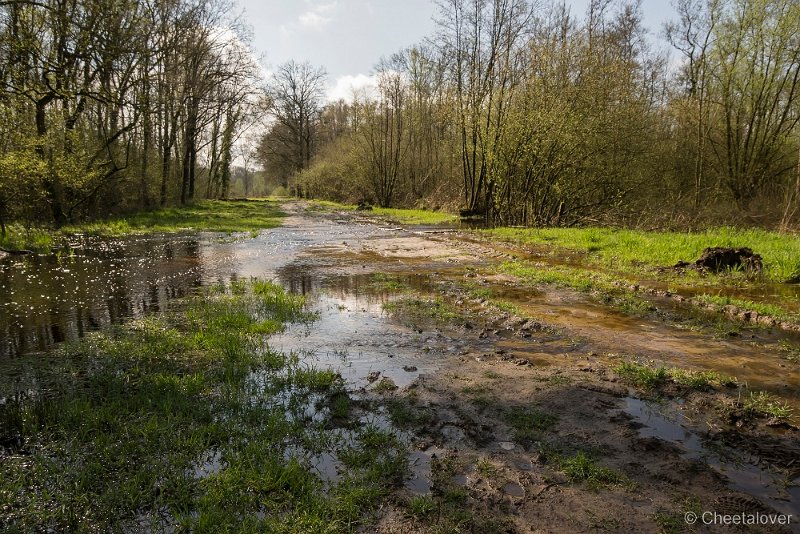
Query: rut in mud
{"points": [[507, 396]]}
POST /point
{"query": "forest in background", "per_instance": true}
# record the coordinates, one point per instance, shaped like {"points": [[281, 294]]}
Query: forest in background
{"points": [[112, 106], [525, 114], [519, 112]]}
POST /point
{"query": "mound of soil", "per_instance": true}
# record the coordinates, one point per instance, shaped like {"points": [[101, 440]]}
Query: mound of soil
{"points": [[719, 259]]}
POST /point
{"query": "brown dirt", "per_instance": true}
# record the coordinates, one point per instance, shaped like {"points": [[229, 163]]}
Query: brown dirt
{"points": [[555, 356]]}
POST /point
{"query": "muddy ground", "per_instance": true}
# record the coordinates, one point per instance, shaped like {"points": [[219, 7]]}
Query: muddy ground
{"points": [[497, 401], [508, 396]]}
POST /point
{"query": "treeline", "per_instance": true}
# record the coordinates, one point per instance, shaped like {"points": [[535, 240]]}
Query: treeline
{"points": [[533, 116], [112, 105]]}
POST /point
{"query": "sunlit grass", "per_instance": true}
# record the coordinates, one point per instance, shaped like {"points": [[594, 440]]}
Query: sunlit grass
{"points": [[205, 215], [634, 250], [399, 215]]}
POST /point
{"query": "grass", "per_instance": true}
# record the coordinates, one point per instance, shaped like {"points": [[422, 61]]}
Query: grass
{"points": [[188, 420], [647, 377], [399, 215], [405, 414], [609, 290], [528, 423], [762, 404], [204, 215], [772, 310], [634, 250], [411, 216], [604, 261], [582, 468], [387, 283], [416, 311]]}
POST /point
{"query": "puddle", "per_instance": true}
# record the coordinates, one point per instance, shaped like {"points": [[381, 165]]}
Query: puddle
{"points": [[750, 361], [513, 489], [420, 464], [770, 488], [98, 281], [787, 294]]}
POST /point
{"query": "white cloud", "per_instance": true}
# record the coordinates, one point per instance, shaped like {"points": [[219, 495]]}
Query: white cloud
{"points": [[348, 86], [318, 16]]}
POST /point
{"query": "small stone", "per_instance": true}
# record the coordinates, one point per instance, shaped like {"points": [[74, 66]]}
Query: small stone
{"points": [[506, 445], [409, 368]]}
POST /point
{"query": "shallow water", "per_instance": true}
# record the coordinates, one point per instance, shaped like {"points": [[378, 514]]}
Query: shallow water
{"points": [[771, 488], [96, 282]]}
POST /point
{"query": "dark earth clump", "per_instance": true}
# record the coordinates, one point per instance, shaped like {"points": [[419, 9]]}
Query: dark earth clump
{"points": [[719, 259]]}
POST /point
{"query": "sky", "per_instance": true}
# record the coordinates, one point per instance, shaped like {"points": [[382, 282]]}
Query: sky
{"points": [[348, 37]]}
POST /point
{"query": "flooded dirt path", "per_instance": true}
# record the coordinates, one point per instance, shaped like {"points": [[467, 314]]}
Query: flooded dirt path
{"points": [[494, 403]]}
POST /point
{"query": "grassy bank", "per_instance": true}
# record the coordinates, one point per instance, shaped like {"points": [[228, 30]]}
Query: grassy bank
{"points": [[616, 292], [205, 215], [636, 252], [188, 421], [399, 215]]}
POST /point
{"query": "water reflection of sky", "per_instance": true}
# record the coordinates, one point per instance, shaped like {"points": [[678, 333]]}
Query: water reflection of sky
{"points": [[52, 298]]}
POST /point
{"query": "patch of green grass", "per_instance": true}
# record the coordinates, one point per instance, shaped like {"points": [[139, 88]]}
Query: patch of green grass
{"points": [[647, 377], [421, 506], [582, 468], [773, 310], [486, 468], [186, 419], [412, 216], [528, 423], [642, 375], [761, 404], [384, 385], [20, 237], [203, 215], [405, 414], [385, 282], [416, 310], [634, 250]]}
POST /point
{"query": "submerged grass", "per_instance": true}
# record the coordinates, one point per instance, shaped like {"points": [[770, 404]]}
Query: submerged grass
{"points": [[204, 215], [187, 420]]}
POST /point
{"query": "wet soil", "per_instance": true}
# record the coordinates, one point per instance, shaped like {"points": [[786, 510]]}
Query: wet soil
{"points": [[460, 377]]}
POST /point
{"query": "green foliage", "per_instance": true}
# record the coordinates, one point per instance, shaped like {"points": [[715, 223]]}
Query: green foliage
{"points": [[635, 251], [209, 216], [647, 377], [528, 423], [187, 419], [582, 468], [641, 375], [206, 215], [421, 506], [761, 403], [414, 216]]}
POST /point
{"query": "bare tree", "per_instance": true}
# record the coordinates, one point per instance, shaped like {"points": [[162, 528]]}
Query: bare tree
{"points": [[297, 91]]}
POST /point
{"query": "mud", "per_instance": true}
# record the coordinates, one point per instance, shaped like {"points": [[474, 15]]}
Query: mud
{"points": [[469, 372]]}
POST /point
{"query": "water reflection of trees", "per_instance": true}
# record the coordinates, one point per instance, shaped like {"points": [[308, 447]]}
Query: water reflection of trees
{"points": [[55, 298]]}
